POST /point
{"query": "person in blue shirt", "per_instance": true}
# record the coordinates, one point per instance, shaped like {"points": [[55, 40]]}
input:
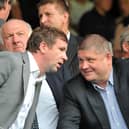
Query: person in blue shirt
{"points": [[97, 98]]}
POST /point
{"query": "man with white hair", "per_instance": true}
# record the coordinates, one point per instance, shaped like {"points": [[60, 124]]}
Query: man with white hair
{"points": [[15, 34]]}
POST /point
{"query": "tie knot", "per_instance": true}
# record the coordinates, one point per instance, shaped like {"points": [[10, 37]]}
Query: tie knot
{"points": [[38, 83]]}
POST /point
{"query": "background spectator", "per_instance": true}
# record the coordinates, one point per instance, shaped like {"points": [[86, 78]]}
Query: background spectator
{"points": [[78, 8], [124, 43], [26, 10], [122, 23], [15, 34], [96, 98], [5, 8], [98, 20]]}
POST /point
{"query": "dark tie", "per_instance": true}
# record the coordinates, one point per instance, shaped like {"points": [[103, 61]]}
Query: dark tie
{"points": [[35, 123]]}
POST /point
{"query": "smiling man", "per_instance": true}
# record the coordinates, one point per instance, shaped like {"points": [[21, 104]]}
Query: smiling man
{"points": [[96, 98]]}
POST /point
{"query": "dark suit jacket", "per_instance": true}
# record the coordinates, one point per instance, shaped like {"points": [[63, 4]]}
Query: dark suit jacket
{"points": [[67, 71], [83, 107], [14, 76]]}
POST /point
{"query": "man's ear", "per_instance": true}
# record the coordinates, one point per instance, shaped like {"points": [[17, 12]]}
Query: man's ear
{"points": [[66, 17], [43, 47], [125, 47], [109, 55]]}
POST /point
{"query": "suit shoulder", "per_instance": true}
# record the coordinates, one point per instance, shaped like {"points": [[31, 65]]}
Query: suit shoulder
{"points": [[121, 62], [78, 79], [10, 57], [77, 86], [76, 38]]}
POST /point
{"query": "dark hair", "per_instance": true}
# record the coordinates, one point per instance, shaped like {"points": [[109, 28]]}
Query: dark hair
{"points": [[65, 4], [2, 3], [44, 34]]}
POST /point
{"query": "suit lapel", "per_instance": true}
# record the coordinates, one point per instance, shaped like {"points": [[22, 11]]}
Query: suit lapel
{"points": [[98, 107], [72, 62], [26, 69], [121, 91], [72, 48]]}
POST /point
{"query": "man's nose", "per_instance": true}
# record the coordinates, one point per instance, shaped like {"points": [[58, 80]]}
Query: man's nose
{"points": [[84, 65], [43, 19], [15, 38], [65, 57]]}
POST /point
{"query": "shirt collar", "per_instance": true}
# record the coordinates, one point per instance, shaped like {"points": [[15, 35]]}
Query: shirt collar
{"points": [[34, 68], [33, 65], [110, 82], [68, 35]]}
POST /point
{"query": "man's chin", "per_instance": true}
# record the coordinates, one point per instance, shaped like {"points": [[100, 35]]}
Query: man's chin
{"points": [[18, 50], [52, 70], [89, 78]]}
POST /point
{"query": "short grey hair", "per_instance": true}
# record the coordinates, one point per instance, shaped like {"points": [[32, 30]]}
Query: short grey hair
{"points": [[96, 41], [124, 37]]}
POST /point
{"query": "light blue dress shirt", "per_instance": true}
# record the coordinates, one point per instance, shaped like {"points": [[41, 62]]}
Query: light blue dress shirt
{"points": [[108, 95]]}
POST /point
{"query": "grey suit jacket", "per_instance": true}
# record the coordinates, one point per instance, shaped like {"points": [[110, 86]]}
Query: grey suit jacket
{"points": [[14, 76]]}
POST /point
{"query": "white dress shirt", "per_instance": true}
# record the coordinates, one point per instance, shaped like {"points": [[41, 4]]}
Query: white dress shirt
{"points": [[47, 113]]}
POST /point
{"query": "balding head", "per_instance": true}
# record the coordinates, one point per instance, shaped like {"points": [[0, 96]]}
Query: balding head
{"points": [[15, 34]]}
